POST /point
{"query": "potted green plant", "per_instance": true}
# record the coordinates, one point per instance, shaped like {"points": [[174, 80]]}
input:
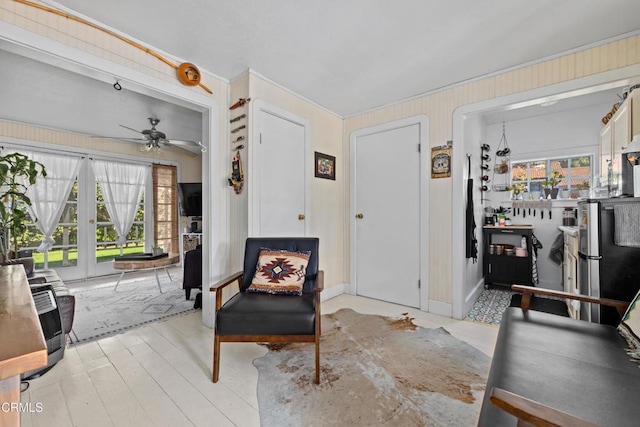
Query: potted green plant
{"points": [[17, 174], [550, 183], [518, 190], [583, 189]]}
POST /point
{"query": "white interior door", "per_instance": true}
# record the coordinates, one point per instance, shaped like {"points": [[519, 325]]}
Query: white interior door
{"points": [[387, 224], [280, 161]]}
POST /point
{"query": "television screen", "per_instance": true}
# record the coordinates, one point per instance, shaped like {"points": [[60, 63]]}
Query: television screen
{"points": [[190, 198]]}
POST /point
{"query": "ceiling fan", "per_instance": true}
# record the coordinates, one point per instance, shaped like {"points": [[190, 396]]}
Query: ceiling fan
{"points": [[153, 139]]}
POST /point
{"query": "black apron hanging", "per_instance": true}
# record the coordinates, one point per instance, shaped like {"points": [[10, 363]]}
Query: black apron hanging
{"points": [[471, 242]]}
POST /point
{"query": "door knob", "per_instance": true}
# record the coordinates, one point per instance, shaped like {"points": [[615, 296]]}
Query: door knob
{"points": [[301, 217], [359, 216]]}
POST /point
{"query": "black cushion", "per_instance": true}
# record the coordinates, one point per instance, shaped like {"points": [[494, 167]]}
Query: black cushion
{"points": [[296, 244], [192, 275], [574, 366], [266, 314]]}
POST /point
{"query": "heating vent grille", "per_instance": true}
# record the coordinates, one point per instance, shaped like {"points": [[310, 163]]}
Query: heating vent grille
{"points": [[45, 301]]}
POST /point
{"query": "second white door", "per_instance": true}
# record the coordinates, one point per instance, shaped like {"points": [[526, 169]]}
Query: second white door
{"points": [[387, 223]]}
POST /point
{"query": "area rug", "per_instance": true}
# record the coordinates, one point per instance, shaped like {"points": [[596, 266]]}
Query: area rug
{"points": [[490, 306], [102, 312], [375, 370]]}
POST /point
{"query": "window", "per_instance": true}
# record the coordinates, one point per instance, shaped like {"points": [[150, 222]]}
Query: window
{"points": [[64, 252], [106, 247], [531, 174], [165, 206]]}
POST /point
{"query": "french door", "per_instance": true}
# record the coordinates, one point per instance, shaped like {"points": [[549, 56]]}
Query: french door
{"points": [[85, 237]]}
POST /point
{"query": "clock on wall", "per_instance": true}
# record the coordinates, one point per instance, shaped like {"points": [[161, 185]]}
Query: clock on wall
{"points": [[188, 74]]}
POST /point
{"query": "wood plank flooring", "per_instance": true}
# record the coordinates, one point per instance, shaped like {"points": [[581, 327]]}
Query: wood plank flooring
{"points": [[160, 374]]}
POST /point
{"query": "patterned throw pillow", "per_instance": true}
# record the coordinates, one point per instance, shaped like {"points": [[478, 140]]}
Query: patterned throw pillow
{"points": [[280, 272], [629, 327]]}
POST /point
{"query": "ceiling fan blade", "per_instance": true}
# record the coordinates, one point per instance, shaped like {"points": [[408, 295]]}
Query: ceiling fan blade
{"points": [[127, 127], [119, 138], [176, 143], [193, 146]]}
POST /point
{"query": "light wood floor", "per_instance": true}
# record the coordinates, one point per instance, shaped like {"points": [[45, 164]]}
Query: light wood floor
{"points": [[160, 374]]}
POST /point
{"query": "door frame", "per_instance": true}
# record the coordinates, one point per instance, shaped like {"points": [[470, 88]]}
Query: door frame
{"points": [[254, 180], [423, 122]]}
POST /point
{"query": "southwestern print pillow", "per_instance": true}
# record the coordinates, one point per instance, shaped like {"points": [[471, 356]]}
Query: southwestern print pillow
{"points": [[280, 272]]}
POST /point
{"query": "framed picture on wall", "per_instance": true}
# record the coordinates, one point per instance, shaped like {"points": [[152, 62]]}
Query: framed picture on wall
{"points": [[441, 161], [325, 166]]}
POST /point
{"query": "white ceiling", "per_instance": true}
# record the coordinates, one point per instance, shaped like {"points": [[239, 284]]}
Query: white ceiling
{"points": [[604, 98], [350, 56], [51, 97]]}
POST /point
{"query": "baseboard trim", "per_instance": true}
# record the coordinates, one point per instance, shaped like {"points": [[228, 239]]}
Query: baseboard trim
{"points": [[472, 297], [332, 291], [440, 308]]}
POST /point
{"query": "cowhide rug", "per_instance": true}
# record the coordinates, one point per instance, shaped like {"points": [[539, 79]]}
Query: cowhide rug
{"points": [[375, 370]]}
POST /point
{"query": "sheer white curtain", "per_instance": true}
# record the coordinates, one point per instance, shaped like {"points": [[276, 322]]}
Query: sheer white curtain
{"points": [[49, 195], [122, 185]]}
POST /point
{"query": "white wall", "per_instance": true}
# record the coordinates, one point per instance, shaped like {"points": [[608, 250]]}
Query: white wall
{"points": [[473, 276], [572, 132]]}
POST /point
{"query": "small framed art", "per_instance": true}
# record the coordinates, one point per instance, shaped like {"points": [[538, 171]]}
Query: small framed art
{"points": [[325, 166]]}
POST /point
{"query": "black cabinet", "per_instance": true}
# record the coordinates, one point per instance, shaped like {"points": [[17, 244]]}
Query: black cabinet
{"points": [[506, 270]]}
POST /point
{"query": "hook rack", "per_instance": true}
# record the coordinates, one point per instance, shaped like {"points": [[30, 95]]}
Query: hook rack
{"points": [[485, 158]]}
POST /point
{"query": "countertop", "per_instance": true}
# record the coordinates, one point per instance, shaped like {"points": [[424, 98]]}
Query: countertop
{"points": [[22, 344], [509, 227]]}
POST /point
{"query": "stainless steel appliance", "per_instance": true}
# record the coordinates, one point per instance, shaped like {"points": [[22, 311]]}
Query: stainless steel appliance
{"points": [[628, 161], [606, 270]]}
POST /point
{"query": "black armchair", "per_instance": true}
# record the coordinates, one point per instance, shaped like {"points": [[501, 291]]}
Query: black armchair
{"points": [[262, 317], [192, 274]]}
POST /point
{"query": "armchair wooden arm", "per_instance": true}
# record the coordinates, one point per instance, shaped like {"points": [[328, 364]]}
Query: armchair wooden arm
{"points": [[532, 413], [527, 291], [218, 287], [319, 286]]}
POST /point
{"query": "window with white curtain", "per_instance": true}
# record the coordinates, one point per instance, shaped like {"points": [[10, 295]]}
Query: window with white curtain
{"points": [[77, 218], [121, 185]]}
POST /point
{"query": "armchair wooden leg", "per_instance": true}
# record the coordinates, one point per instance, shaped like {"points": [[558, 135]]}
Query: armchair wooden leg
{"points": [[317, 359], [216, 357]]}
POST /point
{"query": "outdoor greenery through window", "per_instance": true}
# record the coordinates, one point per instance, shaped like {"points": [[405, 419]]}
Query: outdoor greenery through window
{"points": [[575, 171], [64, 252], [106, 235]]}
